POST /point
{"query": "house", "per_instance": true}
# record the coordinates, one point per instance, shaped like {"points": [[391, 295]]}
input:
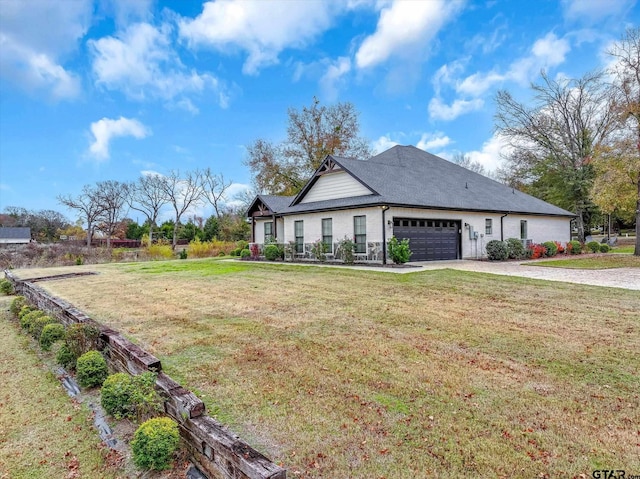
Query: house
{"points": [[446, 211], [14, 235]]}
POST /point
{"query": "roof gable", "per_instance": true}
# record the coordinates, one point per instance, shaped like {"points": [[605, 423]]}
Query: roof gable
{"points": [[332, 181]]}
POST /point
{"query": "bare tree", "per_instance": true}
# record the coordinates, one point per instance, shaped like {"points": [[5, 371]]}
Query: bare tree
{"points": [[215, 188], [557, 136], [148, 196], [465, 161], [182, 192], [626, 88], [113, 196], [89, 206]]}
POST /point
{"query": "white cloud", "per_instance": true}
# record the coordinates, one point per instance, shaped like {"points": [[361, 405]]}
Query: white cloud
{"points": [[438, 110], [35, 37], [405, 29], [141, 62], [446, 75], [106, 129], [125, 12], [546, 52], [490, 156], [262, 29], [433, 141], [334, 77], [593, 11], [383, 144]]}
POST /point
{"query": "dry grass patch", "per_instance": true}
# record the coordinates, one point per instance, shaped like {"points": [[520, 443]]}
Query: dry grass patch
{"points": [[343, 373], [43, 434]]}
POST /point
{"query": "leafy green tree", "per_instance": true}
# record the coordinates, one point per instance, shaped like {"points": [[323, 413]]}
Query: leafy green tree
{"points": [[211, 228], [312, 134]]}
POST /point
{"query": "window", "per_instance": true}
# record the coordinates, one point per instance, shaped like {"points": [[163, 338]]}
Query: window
{"points": [[488, 226], [523, 229], [360, 233], [268, 232], [299, 234], [327, 235]]}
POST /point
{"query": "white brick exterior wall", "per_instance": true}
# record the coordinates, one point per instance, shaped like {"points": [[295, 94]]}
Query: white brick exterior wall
{"points": [[539, 228]]}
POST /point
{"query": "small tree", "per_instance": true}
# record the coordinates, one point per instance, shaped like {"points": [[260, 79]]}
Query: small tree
{"points": [[89, 206], [399, 251]]}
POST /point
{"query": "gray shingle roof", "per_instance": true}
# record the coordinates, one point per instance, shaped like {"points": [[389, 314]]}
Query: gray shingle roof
{"points": [[276, 203], [408, 176], [10, 232]]}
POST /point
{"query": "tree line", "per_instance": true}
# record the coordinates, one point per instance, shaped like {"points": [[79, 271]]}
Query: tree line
{"points": [[104, 207], [577, 144]]}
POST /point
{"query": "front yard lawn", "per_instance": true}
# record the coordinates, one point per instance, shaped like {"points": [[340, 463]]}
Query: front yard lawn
{"points": [[338, 373], [603, 261]]}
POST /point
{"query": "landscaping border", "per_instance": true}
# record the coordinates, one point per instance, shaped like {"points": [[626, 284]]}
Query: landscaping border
{"points": [[217, 452]]}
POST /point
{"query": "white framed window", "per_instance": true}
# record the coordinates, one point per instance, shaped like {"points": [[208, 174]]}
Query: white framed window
{"points": [[523, 229], [268, 232], [327, 234], [299, 234], [360, 233], [488, 226]]}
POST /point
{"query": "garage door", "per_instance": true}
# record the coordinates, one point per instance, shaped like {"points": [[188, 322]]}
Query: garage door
{"points": [[429, 240]]}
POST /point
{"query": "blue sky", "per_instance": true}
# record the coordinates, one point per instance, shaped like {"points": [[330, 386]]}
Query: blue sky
{"points": [[112, 89]]}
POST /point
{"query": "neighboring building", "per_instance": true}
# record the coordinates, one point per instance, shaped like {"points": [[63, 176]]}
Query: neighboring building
{"points": [[447, 212], [14, 235]]}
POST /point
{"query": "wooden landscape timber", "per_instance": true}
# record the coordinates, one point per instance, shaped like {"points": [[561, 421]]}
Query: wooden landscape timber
{"points": [[217, 452]]}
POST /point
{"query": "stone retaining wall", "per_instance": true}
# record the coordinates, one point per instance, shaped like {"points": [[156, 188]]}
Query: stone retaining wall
{"points": [[217, 452]]}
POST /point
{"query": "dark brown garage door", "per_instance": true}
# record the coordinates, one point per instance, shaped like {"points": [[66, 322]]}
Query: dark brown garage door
{"points": [[429, 240]]}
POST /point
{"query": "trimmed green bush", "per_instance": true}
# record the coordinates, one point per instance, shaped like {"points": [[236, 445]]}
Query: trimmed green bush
{"points": [[399, 251], [221, 253], [38, 324], [128, 396], [271, 252], [17, 304], [245, 253], [26, 309], [80, 338], [91, 369], [154, 443], [515, 248], [6, 287], [27, 320], [497, 250], [576, 247], [65, 357], [593, 246], [604, 248], [552, 248], [50, 334]]}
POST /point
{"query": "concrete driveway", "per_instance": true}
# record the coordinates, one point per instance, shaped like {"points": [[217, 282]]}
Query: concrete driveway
{"points": [[627, 278]]}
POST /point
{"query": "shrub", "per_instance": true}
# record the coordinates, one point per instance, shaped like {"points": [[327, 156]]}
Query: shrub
{"points": [[38, 324], [515, 248], [221, 253], [91, 369], [81, 338], [254, 249], [559, 246], [245, 253], [66, 358], [497, 250], [128, 396], [50, 334], [27, 319], [183, 254], [604, 248], [26, 309], [154, 442], [574, 247], [242, 244], [272, 252], [537, 251], [160, 251], [346, 250], [593, 246], [319, 250], [6, 287], [399, 250], [552, 248], [17, 304]]}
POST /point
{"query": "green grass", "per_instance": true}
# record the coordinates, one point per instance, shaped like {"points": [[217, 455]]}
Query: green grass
{"points": [[624, 249], [606, 261], [43, 434], [344, 373]]}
